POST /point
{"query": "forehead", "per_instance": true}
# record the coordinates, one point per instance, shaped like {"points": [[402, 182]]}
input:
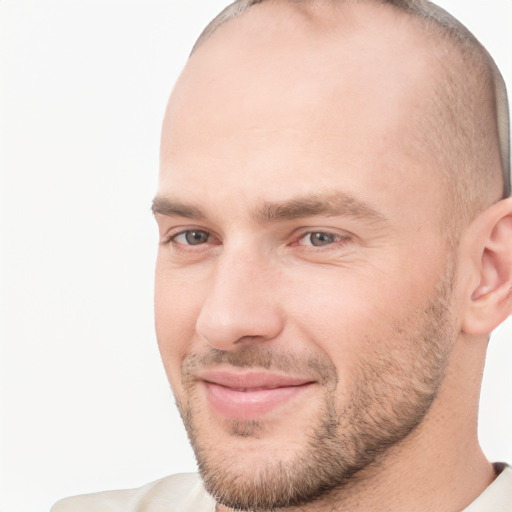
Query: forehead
{"points": [[318, 47], [327, 89]]}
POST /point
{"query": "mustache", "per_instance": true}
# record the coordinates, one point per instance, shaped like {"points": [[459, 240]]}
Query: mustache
{"points": [[262, 358]]}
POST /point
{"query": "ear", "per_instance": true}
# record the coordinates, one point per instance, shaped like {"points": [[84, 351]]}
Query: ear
{"points": [[489, 241]]}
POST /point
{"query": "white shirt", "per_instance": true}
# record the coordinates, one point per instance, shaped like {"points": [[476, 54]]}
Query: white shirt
{"points": [[185, 493]]}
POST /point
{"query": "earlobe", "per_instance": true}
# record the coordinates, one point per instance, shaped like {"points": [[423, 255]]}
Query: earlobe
{"points": [[490, 301]]}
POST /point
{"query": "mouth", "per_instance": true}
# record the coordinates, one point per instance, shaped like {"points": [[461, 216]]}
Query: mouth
{"points": [[250, 395]]}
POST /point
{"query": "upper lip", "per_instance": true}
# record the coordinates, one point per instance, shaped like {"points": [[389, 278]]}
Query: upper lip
{"points": [[252, 379]]}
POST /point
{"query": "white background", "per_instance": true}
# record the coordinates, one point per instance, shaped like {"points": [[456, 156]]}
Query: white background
{"points": [[84, 403]]}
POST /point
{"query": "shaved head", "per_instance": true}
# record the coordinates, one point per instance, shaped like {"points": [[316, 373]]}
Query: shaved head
{"points": [[322, 166], [464, 125]]}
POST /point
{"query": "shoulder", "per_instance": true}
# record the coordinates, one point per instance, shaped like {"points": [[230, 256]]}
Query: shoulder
{"points": [[176, 493]]}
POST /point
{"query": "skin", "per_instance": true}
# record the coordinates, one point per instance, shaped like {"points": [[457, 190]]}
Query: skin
{"points": [[354, 316]]}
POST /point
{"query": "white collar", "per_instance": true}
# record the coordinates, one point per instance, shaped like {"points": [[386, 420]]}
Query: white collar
{"points": [[498, 496]]}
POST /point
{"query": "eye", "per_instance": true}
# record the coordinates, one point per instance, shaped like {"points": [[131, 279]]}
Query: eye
{"points": [[191, 237], [319, 239]]}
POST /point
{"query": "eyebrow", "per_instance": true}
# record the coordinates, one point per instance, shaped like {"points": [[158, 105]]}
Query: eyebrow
{"points": [[163, 206], [336, 204], [329, 205]]}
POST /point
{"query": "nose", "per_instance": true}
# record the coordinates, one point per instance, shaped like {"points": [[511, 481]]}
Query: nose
{"points": [[241, 304]]}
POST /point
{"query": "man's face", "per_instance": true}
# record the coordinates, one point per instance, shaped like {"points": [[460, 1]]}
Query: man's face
{"points": [[302, 284]]}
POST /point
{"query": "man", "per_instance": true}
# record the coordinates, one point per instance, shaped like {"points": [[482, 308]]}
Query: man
{"points": [[335, 248]]}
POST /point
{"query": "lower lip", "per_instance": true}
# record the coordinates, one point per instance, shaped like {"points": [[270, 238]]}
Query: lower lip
{"points": [[233, 404]]}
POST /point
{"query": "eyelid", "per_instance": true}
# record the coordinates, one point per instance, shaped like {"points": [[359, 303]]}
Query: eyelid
{"points": [[332, 238], [172, 234], [341, 237]]}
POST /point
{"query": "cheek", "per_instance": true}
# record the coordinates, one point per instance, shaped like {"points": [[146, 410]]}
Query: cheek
{"points": [[330, 313], [352, 314], [177, 306]]}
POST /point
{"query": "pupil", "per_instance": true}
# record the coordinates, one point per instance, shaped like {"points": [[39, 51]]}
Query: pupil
{"points": [[321, 239], [196, 237]]}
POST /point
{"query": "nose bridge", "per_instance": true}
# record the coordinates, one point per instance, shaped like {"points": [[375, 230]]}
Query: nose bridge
{"points": [[240, 301]]}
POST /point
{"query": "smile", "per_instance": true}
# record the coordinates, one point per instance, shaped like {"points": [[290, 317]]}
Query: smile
{"points": [[250, 395]]}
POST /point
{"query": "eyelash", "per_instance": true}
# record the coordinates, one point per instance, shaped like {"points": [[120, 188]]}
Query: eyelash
{"points": [[172, 238], [338, 239]]}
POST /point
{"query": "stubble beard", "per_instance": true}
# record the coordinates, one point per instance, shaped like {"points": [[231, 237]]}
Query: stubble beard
{"points": [[389, 398]]}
